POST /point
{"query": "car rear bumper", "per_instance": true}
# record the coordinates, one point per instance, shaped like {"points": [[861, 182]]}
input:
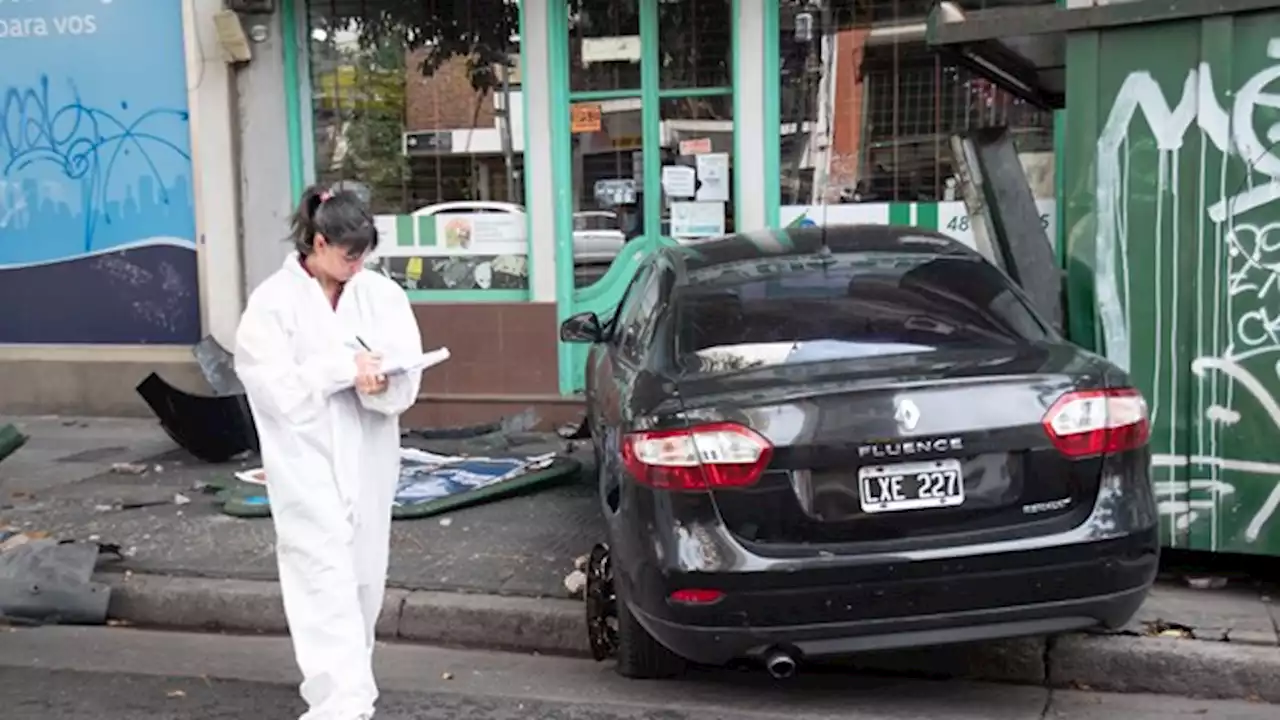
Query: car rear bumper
{"points": [[718, 646], [1107, 583]]}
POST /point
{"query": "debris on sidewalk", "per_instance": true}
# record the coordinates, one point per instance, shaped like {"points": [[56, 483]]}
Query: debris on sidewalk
{"points": [[46, 581], [576, 581], [430, 484], [218, 367], [129, 468], [10, 440], [214, 428], [523, 422], [580, 430]]}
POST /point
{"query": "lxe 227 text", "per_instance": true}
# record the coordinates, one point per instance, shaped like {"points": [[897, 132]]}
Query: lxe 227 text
{"points": [[936, 484]]}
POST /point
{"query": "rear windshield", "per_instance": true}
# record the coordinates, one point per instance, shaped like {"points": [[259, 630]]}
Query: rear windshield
{"points": [[846, 307]]}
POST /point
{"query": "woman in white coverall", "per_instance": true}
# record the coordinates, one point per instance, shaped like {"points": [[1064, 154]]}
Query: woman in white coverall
{"points": [[308, 352]]}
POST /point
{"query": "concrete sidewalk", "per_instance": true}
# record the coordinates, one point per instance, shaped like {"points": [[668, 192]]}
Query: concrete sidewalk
{"points": [[493, 576]]}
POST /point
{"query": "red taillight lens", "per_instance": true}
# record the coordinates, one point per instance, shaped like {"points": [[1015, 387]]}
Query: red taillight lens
{"points": [[1098, 422], [696, 596], [705, 457]]}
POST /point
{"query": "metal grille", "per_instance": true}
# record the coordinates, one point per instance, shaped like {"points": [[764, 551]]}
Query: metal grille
{"points": [[886, 89]]}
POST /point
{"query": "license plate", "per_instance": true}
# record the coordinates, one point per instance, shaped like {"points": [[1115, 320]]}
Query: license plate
{"points": [[911, 486]]}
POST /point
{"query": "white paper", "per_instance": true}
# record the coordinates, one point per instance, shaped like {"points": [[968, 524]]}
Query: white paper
{"points": [[679, 181], [697, 219], [415, 364], [713, 172]]}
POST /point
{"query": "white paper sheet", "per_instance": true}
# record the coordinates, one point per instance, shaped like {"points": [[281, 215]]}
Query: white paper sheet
{"points": [[427, 360]]}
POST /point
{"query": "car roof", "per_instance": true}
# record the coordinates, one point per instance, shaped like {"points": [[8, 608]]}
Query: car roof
{"points": [[793, 242]]}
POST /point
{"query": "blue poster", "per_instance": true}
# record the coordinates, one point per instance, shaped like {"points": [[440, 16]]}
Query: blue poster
{"points": [[97, 228]]}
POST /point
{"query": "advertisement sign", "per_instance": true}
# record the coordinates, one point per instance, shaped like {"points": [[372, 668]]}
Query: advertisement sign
{"points": [[97, 225]]}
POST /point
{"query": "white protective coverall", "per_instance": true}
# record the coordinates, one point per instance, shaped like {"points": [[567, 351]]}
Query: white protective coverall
{"points": [[332, 461]]}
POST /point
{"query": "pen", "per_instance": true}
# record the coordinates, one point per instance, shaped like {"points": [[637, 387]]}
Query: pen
{"points": [[365, 345]]}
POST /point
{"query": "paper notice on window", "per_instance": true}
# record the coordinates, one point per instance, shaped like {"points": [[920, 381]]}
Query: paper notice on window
{"points": [[692, 220], [679, 181], [713, 177]]}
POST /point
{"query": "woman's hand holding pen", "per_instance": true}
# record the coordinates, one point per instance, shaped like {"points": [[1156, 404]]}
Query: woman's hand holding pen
{"points": [[369, 377]]}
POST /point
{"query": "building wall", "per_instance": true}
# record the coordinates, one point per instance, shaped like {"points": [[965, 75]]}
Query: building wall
{"points": [[444, 100], [1172, 180], [266, 198], [846, 142]]}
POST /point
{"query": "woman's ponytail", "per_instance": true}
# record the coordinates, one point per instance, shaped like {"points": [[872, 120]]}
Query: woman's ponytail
{"points": [[340, 216], [303, 223]]}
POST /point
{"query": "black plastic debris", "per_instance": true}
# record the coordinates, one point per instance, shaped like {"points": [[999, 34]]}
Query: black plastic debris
{"points": [[213, 428], [45, 581]]}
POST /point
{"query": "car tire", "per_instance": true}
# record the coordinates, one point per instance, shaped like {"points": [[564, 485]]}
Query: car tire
{"points": [[640, 657]]}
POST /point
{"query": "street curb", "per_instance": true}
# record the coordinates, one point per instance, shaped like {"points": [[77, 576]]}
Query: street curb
{"points": [[552, 626], [1113, 663], [1166, 666]]}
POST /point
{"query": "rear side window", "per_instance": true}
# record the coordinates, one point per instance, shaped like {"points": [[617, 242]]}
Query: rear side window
{"points": [[846, 307]]}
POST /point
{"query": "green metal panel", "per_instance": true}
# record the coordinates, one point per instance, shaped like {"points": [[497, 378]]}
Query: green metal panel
{"points": [[1172, 230], [292, 102]]}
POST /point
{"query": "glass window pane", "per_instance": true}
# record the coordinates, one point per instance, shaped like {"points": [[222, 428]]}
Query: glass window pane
{"points": [[867, 108], [608, 172], [695, 43], [604, 45], [416, 125], [697, 152], [858, 305]]}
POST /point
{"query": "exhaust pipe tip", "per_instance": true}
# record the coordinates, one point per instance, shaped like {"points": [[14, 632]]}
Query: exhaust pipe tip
{"points": [[780, 665]]}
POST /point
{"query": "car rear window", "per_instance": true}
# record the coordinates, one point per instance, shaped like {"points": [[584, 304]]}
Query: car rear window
{"points": [[845, 307]]}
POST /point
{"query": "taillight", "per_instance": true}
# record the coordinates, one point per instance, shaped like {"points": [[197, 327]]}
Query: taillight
{"points": [[704, 457], [696, 596], [1098, 422]]}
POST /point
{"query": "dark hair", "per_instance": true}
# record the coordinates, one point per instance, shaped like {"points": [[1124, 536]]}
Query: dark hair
{"points": [[340, 216]]}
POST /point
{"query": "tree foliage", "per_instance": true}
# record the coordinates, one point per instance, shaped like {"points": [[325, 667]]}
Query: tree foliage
{"points": [[487, 32]]}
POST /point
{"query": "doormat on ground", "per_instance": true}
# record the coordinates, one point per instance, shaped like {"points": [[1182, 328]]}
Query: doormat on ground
{"points": [[430, 484]]}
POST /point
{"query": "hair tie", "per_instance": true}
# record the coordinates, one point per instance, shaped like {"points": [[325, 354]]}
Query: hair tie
{"points": [[326, 195]]}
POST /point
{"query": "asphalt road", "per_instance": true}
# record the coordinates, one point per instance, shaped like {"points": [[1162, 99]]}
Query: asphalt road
{"points": [[119, 674]]}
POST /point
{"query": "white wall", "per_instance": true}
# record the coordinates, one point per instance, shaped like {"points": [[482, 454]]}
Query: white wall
{"points": [[266, 199], [210, 102], [540, 193], [748, 161]]}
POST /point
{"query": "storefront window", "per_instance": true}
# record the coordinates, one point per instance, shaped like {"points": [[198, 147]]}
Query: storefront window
{"points": [[695, 43], [651, 125], [604, 45], [867, 108], [420, 108]]}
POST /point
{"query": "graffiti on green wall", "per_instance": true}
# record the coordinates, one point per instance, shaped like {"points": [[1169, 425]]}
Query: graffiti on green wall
{"points": [[1184, 224]]}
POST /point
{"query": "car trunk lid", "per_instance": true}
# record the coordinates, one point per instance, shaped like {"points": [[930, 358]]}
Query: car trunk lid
{"points": [[901, 450]]}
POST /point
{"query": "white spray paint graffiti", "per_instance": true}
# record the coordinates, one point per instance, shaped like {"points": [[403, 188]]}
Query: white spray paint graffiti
{"points": [[1239, 321]]}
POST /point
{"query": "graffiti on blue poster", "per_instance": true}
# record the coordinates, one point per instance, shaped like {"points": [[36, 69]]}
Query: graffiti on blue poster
{"points": [[96, 198]]}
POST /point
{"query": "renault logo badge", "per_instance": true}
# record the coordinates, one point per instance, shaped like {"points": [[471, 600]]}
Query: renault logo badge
{"points": [[906, 413]]}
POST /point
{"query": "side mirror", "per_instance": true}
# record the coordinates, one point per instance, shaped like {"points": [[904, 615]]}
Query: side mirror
{"points": [[582, 328]]}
